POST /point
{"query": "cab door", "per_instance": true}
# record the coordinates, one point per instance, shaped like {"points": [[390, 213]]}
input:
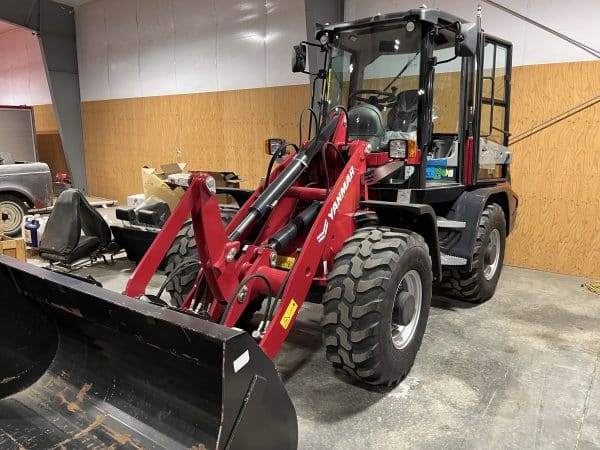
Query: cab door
{"points": [[491, 154]]}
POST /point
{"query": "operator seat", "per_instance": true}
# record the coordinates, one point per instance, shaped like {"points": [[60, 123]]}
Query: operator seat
{"points": [[404, 114], [74, 230], [366, 124]]}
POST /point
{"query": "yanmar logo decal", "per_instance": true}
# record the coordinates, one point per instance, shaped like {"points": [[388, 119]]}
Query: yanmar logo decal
{"points": [[323, 233], [336, 204]]}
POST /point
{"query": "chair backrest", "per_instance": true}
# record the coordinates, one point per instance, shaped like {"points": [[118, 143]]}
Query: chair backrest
{"points": [[403, 116], [63, 228], [71, 214], [92, 223]]}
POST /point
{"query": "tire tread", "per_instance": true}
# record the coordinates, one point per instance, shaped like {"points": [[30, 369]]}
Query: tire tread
{"points": [[354, 298], [465, 284]]}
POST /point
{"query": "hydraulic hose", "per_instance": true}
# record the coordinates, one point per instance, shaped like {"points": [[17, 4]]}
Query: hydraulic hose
{"points": [[303, 221], [276, 190]]}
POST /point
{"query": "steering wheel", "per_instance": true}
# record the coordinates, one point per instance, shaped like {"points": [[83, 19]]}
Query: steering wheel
{"points": [[381, 99]]}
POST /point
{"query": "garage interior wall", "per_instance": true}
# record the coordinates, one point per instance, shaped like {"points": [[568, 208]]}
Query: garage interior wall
{"points": [[212, 78], [23, 82], [208, 78], [22, 77], [555, 171]]}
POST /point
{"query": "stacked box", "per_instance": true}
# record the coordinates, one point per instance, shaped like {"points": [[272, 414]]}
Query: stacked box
{"points": [[15, 248]]}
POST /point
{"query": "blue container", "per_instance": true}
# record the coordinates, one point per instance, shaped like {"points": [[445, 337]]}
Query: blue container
{"points": [[32, 227]]}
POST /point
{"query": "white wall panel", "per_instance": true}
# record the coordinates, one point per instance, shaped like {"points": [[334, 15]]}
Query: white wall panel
{"points": [[241, 44], [195, 46], [18, 64], [162, 47], [285, 28], [93, 62], [531, 45], [22, 73], [123, 54], [578, 20], [156, 27]]}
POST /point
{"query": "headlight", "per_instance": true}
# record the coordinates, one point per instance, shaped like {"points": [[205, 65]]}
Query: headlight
{"points": [[397, 148], [273, 145]]}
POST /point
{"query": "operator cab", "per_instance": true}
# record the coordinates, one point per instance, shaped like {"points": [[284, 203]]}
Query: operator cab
{"points": [[410, 86], [375, 75]]}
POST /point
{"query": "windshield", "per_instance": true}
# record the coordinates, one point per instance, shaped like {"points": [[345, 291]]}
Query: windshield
{"points": [[378, 68]]}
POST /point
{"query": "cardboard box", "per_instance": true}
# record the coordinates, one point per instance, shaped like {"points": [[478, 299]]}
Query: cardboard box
{"points": [[170, 183], [171, 168], [156, 184], [226, 179], [15, 248]]}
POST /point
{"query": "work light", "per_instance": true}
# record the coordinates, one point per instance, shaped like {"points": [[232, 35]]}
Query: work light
{"points": [[397, 148]]}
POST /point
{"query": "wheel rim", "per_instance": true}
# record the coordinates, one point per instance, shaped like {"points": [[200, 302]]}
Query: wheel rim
{"points": [[492, 255], [14, 216], [402, 335]]}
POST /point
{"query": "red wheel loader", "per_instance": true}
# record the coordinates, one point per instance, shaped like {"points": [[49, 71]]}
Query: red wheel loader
{"points": [[404, 187]]}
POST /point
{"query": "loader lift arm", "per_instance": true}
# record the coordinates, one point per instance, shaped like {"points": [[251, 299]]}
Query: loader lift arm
{"points": [[238, 270]]}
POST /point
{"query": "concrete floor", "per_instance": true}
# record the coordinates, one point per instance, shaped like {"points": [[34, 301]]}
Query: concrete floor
{"points": [[520, 371]]}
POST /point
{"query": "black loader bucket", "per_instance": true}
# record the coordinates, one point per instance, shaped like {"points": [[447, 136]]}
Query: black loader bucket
{"points": [[83, 368]]}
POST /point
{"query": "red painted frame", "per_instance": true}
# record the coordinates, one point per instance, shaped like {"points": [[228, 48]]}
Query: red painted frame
{"points": [[222, 275]]}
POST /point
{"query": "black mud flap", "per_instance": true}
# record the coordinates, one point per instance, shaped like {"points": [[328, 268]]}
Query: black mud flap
{"points": [[82, 367]]}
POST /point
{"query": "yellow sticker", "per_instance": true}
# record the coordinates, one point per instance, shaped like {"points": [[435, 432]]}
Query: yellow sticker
{"points": [[289, 314], [285, 262]]}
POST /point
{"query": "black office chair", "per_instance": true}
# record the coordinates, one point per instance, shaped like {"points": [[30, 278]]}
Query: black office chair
{"points": [[75, 230]]}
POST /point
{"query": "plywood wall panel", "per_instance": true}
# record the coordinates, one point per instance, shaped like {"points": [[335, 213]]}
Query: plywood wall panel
{"points": [[556, 172], [543, 91], [51, 152], [45, 121], [48, 140], [214, 131]]}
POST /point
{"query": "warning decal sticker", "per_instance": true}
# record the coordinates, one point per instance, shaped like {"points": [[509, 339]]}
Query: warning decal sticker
{"points": [[289, 314]]}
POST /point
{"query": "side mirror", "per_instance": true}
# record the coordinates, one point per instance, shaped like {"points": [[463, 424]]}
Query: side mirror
{"points": [[466, 40], [299, 58]]}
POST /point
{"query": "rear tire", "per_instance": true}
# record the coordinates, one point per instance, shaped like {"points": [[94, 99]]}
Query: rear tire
{"points": [[15, 209], [479, 284], [372, 274], [184, 249]]}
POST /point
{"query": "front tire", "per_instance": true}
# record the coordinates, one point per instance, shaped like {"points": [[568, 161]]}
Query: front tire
{"points": [[14, 209], [479, 284], [377, 303]]}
